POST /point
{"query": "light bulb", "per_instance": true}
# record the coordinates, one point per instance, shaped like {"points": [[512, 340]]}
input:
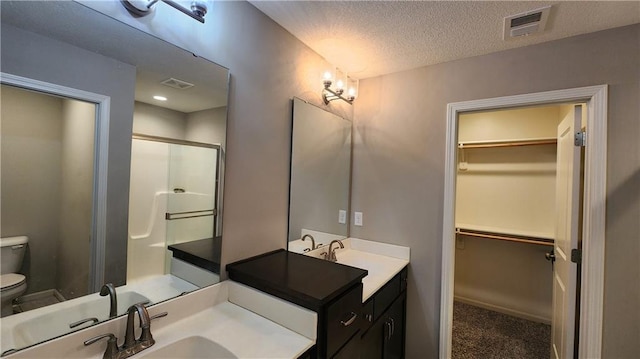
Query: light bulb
{"points": [[352, 92], [160, 98], [339, 84], [327, 75]]}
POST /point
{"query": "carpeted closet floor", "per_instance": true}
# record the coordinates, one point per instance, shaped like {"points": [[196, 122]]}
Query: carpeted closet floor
{"points": [[481, 334]]}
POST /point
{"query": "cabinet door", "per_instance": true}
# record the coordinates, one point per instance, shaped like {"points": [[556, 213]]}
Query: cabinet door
{"points": [[371, 344], [351, 350], [393, 329]]}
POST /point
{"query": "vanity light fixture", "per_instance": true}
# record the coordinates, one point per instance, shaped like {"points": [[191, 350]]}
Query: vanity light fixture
{"points": [[159, 98], [342, 81], [144, 7]]}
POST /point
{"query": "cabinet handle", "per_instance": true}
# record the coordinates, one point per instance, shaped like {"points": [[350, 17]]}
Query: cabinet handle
{"points": [[393, 327], [350, 321], [388, 324]]}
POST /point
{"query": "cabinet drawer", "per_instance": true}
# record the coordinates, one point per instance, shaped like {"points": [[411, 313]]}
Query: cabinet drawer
{"points": [[343, 319], [385, 296]]}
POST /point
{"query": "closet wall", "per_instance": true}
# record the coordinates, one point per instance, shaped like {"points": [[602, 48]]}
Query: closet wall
{"points": [[507, 191]]}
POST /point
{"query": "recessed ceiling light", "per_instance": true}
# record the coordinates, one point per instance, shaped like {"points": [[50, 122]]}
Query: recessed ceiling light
{"points": [[160, 98]]}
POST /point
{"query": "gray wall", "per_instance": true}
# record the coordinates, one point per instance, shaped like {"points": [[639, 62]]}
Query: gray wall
{"points": [[158, 121], [31, 134], [398, 173], [23, 54], [76, 194], [47, 186], [208, 126]]}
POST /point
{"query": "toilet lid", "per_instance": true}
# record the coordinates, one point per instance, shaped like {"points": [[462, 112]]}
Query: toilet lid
{"points": [[11, 280]]}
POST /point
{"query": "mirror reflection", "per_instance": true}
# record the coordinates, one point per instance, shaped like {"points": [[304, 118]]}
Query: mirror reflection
{"points": [[320, 177], [49, 158], [47, 189]]}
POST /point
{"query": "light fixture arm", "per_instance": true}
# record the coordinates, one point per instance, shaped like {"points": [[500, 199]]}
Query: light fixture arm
{"points": [[143, 8], [329, 95]]}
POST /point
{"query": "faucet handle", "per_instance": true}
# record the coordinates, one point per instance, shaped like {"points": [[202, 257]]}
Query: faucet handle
{"points": [[112, 344], [159, 315], [82, 321]]}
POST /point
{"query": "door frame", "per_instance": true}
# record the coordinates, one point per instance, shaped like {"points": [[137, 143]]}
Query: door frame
{"points": [[100, 166], [594, 206]]}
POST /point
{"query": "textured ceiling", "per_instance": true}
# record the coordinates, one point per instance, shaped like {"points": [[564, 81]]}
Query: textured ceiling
{"points": [[371, 38]]}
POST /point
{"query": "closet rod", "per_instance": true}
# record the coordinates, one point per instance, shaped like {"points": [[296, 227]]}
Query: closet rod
{"points": [[515, 143], [504, 238]]}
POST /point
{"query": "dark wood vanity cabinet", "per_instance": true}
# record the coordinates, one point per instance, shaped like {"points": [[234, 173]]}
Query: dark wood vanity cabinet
{"points": [[385, 338], [333, 291], [341, 320], [346, 328], [384, 320]]}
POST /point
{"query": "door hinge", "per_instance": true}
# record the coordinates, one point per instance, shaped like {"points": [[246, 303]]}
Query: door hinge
{"points": [[580, 139], [576, 255]]}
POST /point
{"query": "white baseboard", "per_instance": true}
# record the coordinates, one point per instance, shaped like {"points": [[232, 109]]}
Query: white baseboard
{"points": [[504, 310]]}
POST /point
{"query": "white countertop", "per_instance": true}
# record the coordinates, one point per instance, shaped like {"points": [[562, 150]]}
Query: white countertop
{"points": [[381, 269], [246, 322], [383, 261]]}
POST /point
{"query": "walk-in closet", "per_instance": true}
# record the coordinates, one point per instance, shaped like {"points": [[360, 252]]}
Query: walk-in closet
{"points": [[505, 228]]}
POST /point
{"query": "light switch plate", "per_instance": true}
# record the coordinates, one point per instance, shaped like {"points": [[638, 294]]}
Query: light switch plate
{"points": [[342, 216], [357, 218]]}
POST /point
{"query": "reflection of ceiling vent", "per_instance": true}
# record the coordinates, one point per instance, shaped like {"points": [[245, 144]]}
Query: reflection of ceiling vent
{"points": [[177, 84], [527, 23]]}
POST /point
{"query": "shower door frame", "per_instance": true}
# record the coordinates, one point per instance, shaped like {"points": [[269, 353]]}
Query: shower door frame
{"points": [[100, 168], [218, 182]]}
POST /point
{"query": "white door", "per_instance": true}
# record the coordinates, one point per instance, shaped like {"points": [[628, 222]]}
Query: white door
{"points": [[566, 236]]}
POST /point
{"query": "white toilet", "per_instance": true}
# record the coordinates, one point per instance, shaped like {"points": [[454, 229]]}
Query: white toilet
{"points": [[13, 283]]}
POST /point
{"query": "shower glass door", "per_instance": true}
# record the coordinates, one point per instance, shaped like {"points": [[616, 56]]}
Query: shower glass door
{"points": [[173, 199], [193, 194]]}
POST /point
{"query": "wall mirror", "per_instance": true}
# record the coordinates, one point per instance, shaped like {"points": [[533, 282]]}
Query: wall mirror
{"points": [[176, 170], [320, 177]]}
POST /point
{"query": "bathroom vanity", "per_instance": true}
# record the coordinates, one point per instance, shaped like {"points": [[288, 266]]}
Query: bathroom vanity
{"points": [[360, 300]]}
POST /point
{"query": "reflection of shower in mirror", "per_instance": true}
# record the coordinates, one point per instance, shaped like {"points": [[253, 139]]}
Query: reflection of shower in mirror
{"points": [[162, 211]]}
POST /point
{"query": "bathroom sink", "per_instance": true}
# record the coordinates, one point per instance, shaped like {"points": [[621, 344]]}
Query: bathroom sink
{"points": [[56, 318], [191, 347]]}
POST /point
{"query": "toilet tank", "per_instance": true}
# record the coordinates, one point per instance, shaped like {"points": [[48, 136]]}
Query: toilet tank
{"points": [[13, 249]]}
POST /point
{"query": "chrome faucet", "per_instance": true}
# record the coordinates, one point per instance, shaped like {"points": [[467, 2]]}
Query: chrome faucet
{"points": [[331, 254], [110, 290], [313, 242], [131, 345]]}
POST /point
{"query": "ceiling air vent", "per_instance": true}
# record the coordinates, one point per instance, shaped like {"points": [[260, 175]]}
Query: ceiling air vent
{"points": [[177, 84], [527, 23]]}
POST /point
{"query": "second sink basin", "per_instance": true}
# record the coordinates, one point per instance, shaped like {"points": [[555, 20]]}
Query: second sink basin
{"points": [[191, 347]]}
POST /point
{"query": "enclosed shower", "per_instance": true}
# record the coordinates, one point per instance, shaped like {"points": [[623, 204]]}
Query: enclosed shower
{"points": [[173, 199]]}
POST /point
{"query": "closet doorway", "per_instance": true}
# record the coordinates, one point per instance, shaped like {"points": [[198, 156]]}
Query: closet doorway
{"points": [[512, 201]]}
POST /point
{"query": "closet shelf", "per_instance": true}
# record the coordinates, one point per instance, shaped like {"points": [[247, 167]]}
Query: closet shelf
{"points": [[505, 237], [508, 143]]}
